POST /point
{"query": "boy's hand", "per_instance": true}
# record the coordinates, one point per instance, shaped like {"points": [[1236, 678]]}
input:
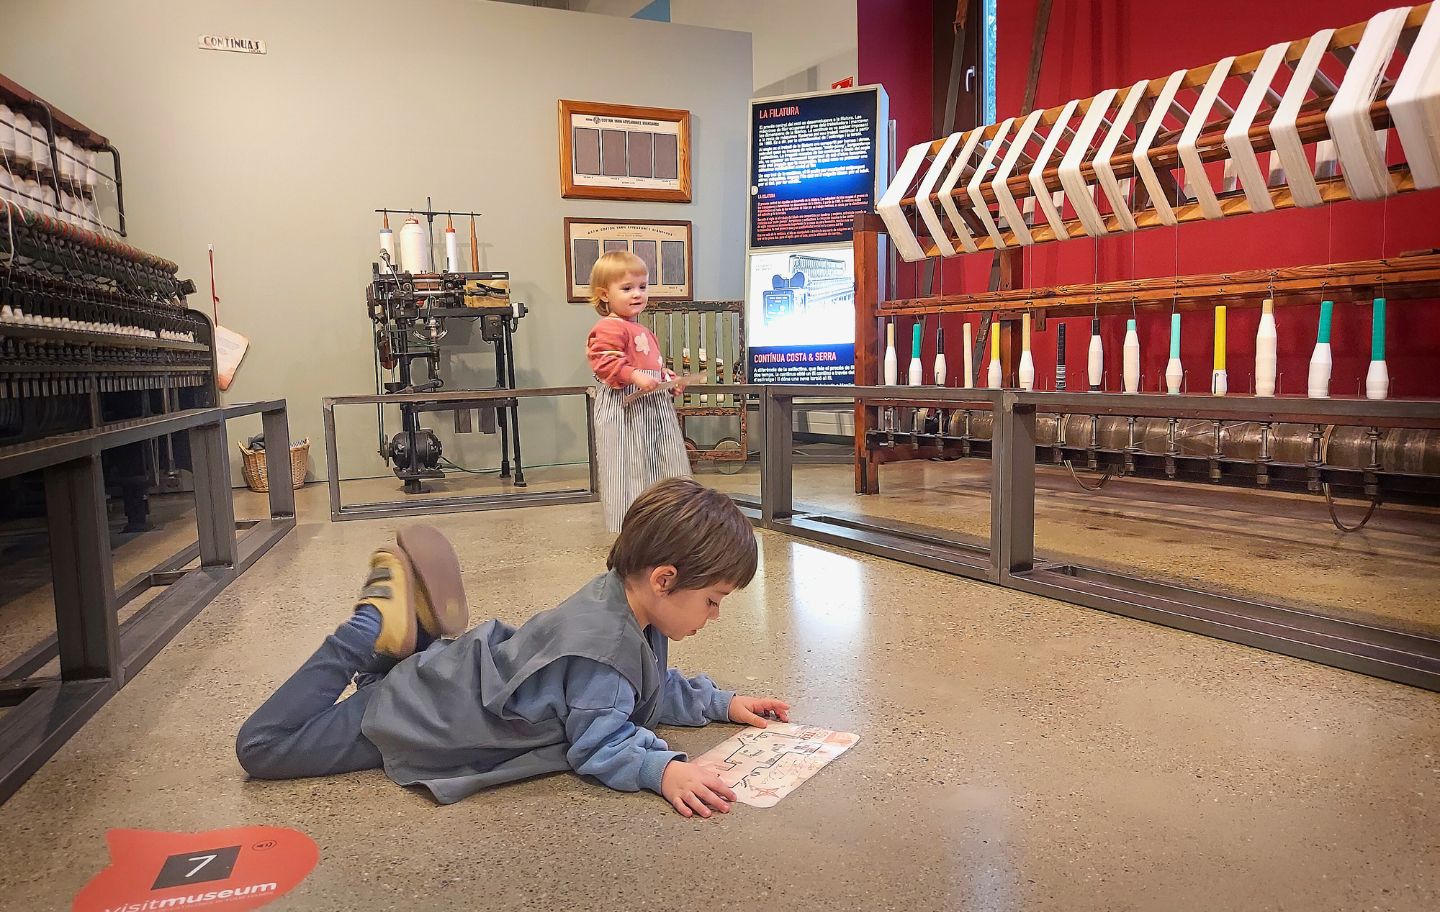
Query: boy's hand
{"points": [[694, 790], [749, 710]]}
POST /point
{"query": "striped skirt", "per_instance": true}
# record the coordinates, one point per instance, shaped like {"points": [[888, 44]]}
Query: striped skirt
{"points": [[636, 446]]}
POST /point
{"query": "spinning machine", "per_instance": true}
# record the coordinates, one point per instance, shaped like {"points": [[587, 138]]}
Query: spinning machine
{"points": [[92, 330], [410, 303], [1348, 113], [107, 385]]}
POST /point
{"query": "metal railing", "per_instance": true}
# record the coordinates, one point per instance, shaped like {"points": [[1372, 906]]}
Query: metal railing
{"points": [[97, 653], [1009, 559], [340, 511]]}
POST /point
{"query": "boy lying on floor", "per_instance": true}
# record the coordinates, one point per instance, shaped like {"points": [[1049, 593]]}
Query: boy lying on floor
{"points": [[578, 687]]}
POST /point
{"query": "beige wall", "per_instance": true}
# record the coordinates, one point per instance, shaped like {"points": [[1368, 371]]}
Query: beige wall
{"points": [[278, 160], [799, 45]]}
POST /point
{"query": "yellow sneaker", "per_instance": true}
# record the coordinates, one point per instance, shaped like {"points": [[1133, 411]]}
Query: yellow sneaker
{"points": [[440, 605], [390, 588]]}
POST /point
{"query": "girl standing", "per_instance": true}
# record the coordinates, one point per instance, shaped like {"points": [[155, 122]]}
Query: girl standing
{"points": [[639, 444]]}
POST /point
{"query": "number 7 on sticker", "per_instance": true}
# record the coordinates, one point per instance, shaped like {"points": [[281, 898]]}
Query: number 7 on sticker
{"points": [[196, 870]]}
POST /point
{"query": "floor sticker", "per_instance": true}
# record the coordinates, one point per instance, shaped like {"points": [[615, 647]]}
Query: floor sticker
{"points": [[231, 870]]}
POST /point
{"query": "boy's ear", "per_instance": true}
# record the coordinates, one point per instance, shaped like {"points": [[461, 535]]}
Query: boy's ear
{"points": [[663, 578]]}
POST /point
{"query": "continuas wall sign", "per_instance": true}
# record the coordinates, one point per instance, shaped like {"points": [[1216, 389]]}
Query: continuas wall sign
{"points": [[238, 45]]}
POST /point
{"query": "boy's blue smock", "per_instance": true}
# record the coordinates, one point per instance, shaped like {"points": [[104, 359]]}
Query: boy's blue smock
{"points": [[576, 687]]}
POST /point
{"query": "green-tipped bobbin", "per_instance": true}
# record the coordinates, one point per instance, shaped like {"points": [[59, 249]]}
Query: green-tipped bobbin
{"points": [[1326, 308], [1377, 331], [1129, 325], [1175, 335], [915, 341]]}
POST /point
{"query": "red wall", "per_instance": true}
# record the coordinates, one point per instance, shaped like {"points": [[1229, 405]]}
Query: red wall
{"points": [[1098, 44]]}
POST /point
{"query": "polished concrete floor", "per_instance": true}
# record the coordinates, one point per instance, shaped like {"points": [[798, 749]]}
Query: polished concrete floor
{"points": [[1016, 753]]}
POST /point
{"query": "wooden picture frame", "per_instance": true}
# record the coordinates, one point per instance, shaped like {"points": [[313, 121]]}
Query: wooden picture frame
{"points": [[622, 152], [664, 244]]}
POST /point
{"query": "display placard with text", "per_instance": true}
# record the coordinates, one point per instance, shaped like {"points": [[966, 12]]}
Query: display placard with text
{"points": [[800, 315], [814, 164]]}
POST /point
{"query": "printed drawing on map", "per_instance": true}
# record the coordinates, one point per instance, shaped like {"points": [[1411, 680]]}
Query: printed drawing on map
{"points": [[764, 765]]}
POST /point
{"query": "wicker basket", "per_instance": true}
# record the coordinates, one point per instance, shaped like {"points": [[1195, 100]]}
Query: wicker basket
{"points": [[253, 466]]}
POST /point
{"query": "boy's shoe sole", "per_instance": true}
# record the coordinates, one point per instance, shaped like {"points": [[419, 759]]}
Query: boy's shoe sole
{"points": [[390, 589], [441, 608]]}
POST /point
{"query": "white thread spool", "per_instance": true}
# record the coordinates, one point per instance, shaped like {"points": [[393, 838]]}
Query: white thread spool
{"points": [[1027, 361], [40, 148], [1265, 350], [387, 242], [21, 134], [1095, 366], [30, 194], [65, 151], [1131, 361], [892, 365], [7, 133], [452, 251], [967, 356], [414, 246], [92, 175]]}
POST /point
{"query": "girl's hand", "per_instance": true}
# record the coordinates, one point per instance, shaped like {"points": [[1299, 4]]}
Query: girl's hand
{"points": [[692, 789], [749, 710], [644, 382]]}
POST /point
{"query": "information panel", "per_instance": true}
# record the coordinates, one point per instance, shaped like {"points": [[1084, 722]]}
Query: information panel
{"points": [[814, 162], [800, 315]]}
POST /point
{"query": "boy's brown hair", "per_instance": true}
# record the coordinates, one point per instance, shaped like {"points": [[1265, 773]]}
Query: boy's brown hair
{"points": [[612, 267], [698, 531]]}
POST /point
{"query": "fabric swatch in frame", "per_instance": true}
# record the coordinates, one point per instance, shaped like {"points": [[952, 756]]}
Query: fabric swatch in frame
{"points": [[672, 263], [611, 246], [612, 153], [584, 253], [587, 151], [642, 153], [667, 156], [645, 250]]}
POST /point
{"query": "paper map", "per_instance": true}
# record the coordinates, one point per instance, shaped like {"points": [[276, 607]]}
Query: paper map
{"points": [[764, 765]]}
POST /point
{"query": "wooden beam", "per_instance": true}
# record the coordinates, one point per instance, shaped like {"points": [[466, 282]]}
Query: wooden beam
{"points": [[868, 262], [1397, 277], [77, 130]]}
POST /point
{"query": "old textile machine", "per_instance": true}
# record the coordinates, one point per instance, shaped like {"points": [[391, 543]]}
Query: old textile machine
{"points": [[409, 303], [1348, 113]]}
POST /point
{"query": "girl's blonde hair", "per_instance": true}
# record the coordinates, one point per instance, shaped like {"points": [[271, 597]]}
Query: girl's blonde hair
{"points": [[612, 267]]}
